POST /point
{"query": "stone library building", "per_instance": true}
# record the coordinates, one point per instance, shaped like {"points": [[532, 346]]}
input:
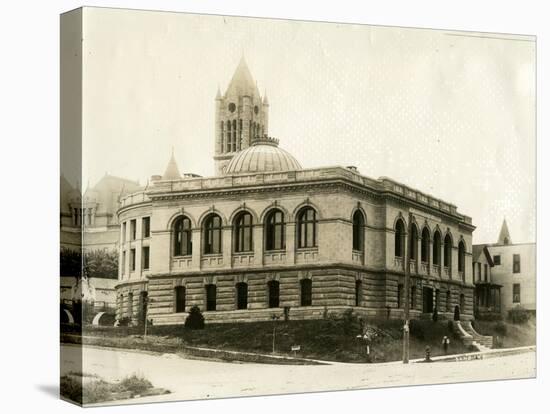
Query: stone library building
{"points": [[266, 237]]}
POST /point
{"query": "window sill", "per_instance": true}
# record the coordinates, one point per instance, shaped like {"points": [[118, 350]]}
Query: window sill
{"points": [[187, 256], [212, 255], [247, 253], [307, 249], [275, 251]]}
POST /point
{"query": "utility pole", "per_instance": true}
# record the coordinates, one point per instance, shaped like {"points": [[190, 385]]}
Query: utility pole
{"points": [[407, 289], [274, 318]]}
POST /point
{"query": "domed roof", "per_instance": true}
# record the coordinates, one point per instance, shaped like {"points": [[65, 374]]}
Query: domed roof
{"points": [[263, 156]]}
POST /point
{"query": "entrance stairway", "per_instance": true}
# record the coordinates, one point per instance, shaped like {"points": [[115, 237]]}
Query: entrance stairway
{"points": [[470, 337], [486, 341]]}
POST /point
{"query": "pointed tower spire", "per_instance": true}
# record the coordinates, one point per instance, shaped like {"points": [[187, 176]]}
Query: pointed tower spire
{"points": [[218, 94], [242, 82], [172, 171], [266, 102], [504, 236]]}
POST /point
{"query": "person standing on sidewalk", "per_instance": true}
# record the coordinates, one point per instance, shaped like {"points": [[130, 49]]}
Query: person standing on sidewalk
{"points": [[445, 342]]}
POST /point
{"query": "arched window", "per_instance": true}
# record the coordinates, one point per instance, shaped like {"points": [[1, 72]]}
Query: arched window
{"points": [[210, 297], [448, 301], [358, 293], [275, 230], [179, 293], [212, 234], [234, 138], [413, 243], [222, 135], [399, 238], [183, 243], [425, 246], [240, 146], [242, 295], [461, 257], [358, 231], [307, 228], [273, 293], [305, 292], [447, 250], [228, 140], [437, 249], [243, 232]]}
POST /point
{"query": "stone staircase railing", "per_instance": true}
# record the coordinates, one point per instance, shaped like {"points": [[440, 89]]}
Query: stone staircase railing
{"points": [[486, 341], [466, 337]]}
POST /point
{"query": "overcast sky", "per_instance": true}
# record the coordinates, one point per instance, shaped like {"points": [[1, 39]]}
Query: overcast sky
{"points": [[449, 113]]}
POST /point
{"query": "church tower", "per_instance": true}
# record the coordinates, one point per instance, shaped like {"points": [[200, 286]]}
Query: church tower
{"points": [[241, 115]]}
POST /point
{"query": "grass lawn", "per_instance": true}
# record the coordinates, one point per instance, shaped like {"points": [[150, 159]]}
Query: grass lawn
{"points": [[327, 339], [88, 389], [509, 335]]}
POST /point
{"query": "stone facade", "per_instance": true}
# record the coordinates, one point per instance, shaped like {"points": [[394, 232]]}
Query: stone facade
{"points": [[338, 249]]}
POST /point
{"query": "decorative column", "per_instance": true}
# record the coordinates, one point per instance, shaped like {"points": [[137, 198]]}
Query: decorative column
{"points": [[258, 244], [197, 248]]}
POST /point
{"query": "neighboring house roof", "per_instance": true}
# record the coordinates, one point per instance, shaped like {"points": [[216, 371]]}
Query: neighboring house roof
{"points": [[478, 250]]}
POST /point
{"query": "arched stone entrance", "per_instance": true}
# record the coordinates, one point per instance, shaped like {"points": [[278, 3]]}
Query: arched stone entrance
{"points": [[457, 313]]}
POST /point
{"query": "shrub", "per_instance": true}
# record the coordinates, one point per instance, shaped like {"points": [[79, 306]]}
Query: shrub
{"points": [[351, 324], [518, 315], [136, 385], [195, 320], [125, 321], [417, 329], [501, 328]]}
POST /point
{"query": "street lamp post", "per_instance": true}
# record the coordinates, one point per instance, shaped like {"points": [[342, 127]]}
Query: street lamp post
{"points": [[407, 289], [274, 318]]}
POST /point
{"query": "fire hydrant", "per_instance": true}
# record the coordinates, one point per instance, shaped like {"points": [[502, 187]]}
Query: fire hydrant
{"points": [[428, 359]]}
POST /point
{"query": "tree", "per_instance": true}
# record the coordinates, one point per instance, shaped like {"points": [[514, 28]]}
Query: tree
{"points": [[195, 320]]}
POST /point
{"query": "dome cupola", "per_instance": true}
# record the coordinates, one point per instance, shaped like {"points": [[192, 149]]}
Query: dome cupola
{"points": [[264, 155]]}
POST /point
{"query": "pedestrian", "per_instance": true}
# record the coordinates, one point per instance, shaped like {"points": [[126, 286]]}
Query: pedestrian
{"points": [[445, 342]]}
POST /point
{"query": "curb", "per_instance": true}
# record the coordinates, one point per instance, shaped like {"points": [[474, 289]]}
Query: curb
{"points": [[492, 353]]}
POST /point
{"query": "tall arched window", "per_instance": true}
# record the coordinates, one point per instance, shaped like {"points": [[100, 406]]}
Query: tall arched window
{"points": [[242, 295], [243, 232], [413, 243], [425, 246], [234, 138], [305, 292], [240, 146], [222, 135], [461, 257], [436, 256], [358, 231], [275, 230], [212, 234], [273, 293], [183, 243], [228, 140], [447, 251], [179, 293], [399, 238], [307, 228]]}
